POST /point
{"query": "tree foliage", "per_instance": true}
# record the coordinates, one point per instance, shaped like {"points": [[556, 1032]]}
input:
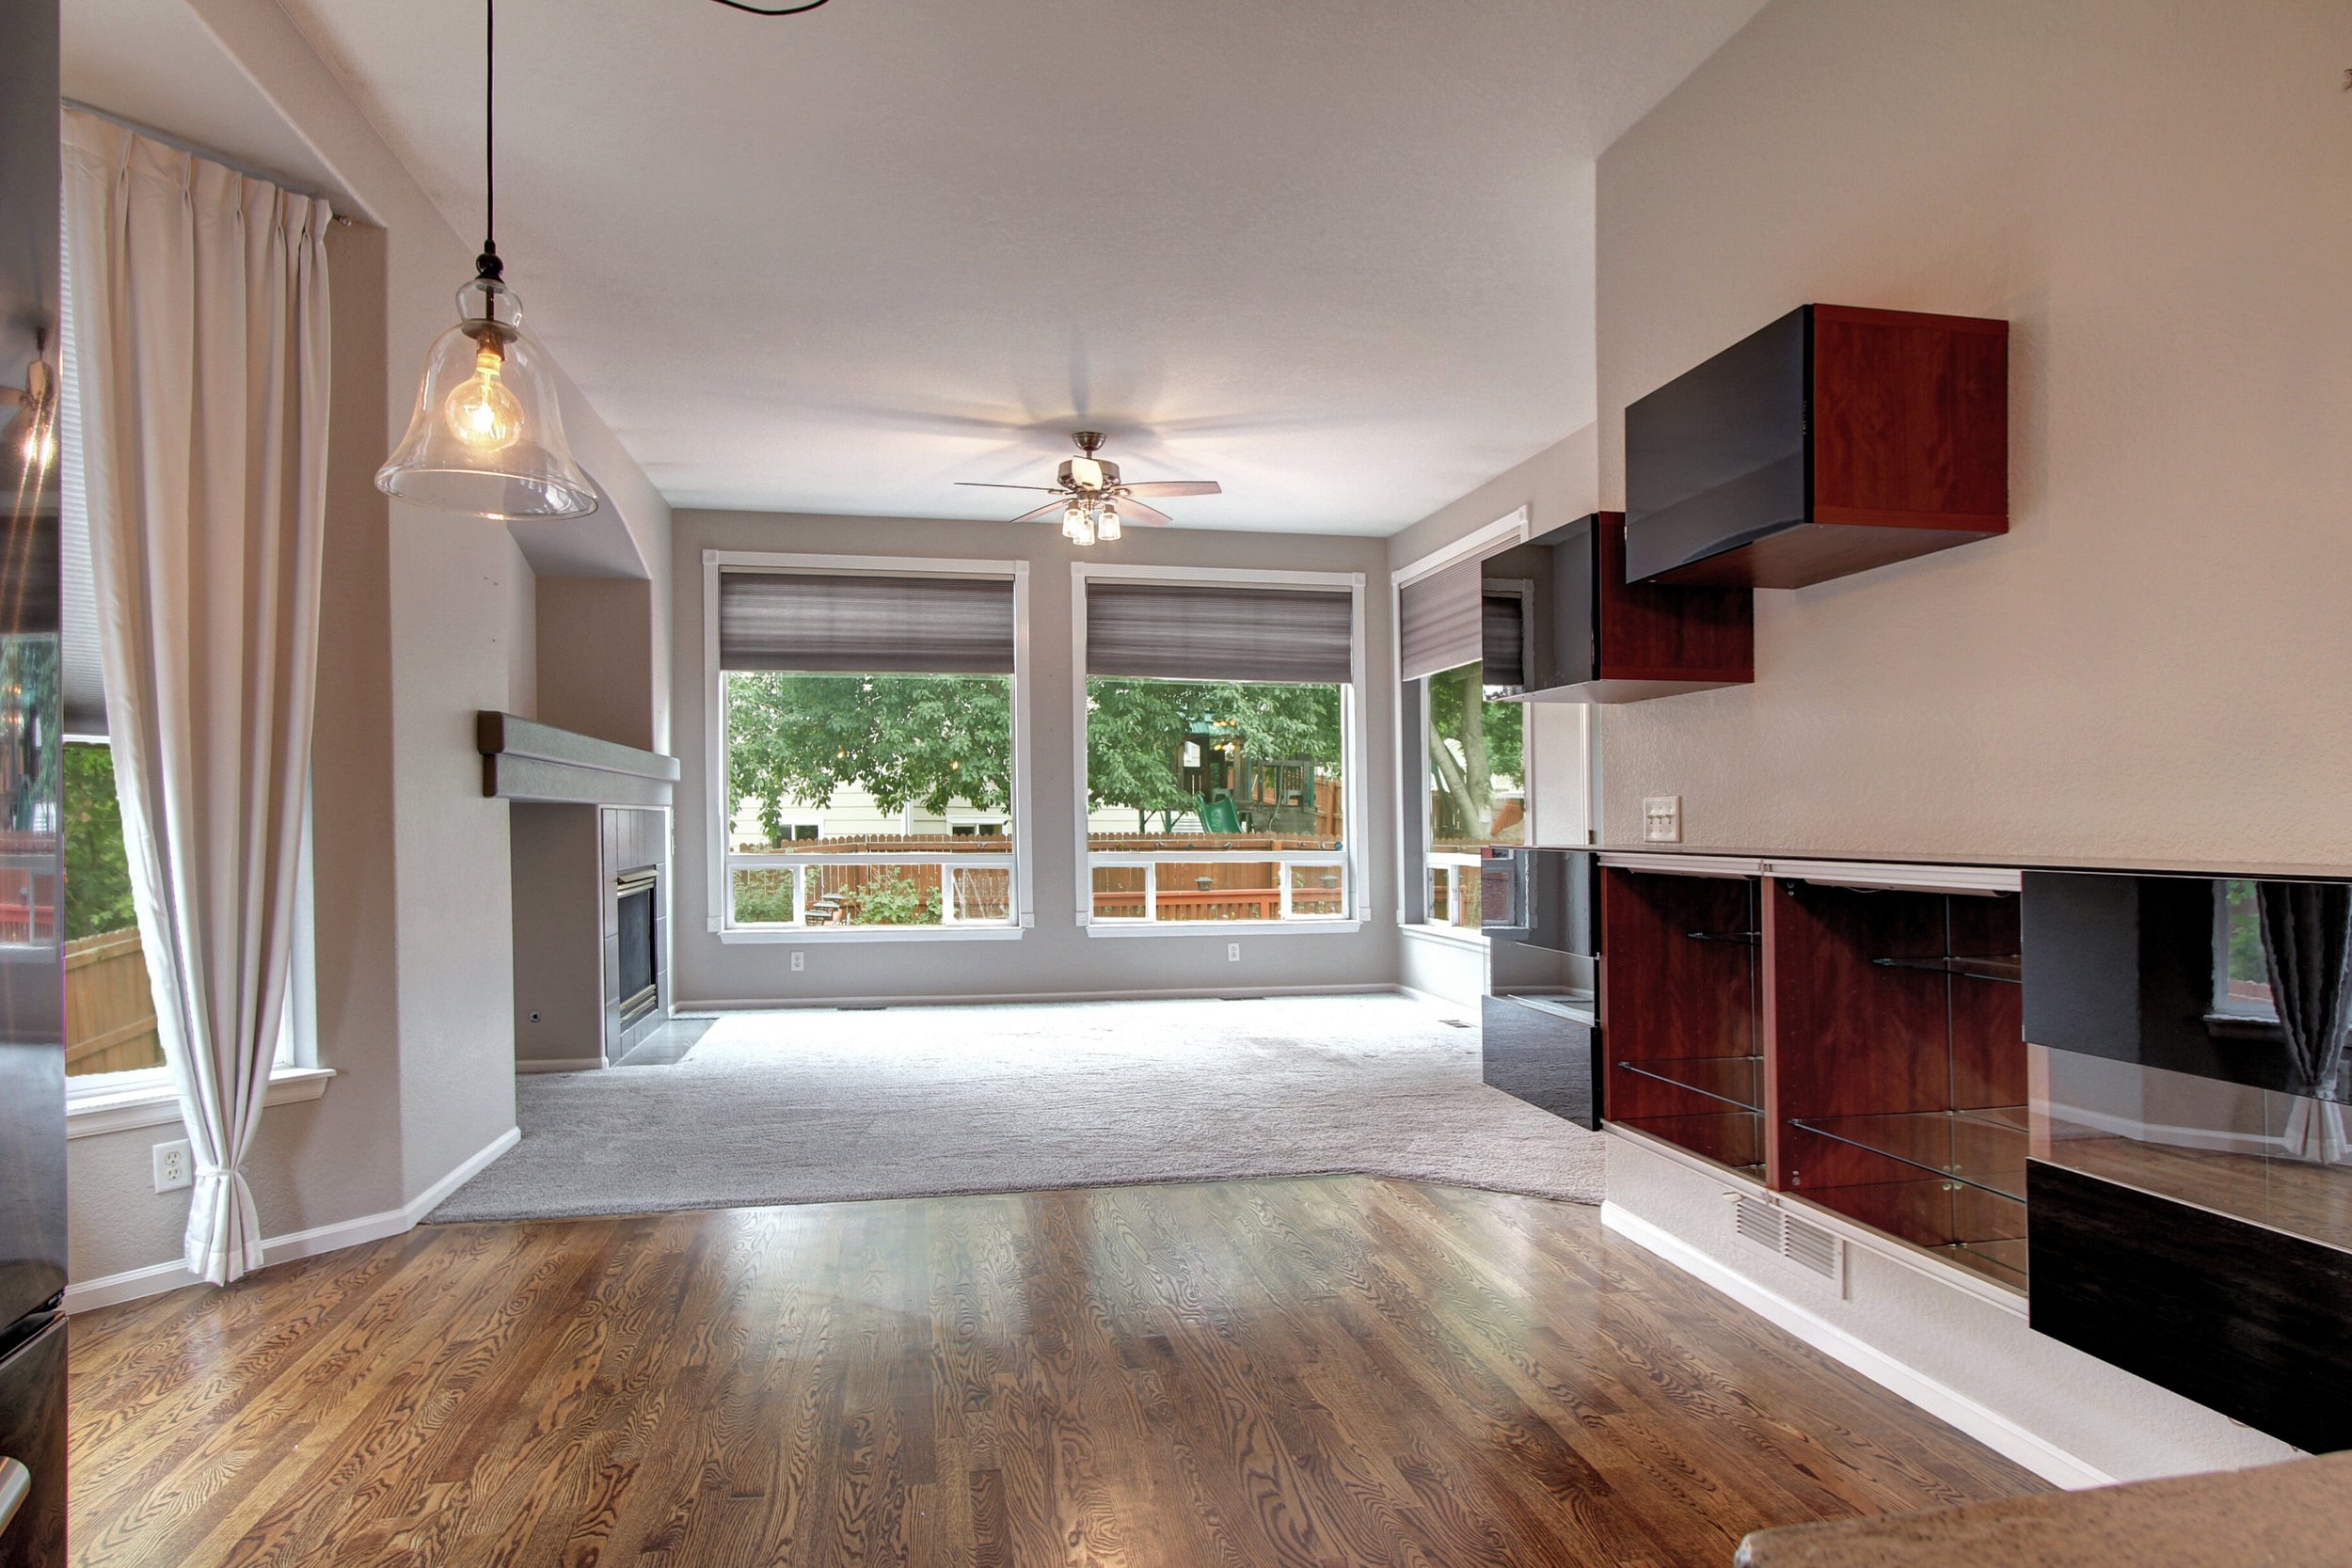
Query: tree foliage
{"points": [[904, 739], [928, 740], [1464, 771], [97, 874], [1136, 730]]}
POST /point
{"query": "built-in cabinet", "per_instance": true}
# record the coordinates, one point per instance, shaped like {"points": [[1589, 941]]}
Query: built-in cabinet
{"points": [[2126, 1098], [1855, 1045]]}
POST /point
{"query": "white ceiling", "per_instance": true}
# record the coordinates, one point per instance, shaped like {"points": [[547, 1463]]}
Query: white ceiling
{"points": [[151, 61], [1334, 253]]}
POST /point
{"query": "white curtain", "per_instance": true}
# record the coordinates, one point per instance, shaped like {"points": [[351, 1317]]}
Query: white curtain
{"points": [[200, 351]]}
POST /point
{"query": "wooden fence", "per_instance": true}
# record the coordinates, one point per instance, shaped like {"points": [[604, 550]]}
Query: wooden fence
{"points": [[109, 1012]]}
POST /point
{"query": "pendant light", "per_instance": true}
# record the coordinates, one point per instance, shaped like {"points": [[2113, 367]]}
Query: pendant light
{"points": [[487, 434]]}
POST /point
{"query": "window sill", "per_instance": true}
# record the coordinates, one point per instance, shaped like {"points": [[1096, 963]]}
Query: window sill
{"points": [[158, 1104], [1454, 936], [1229, 928], [871, 933]]}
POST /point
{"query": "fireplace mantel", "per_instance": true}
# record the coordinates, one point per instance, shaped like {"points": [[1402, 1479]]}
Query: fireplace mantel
{"points": [[525, 760]]}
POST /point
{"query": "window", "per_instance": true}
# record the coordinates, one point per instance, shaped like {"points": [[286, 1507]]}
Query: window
{"points": [[1461, 645], [1477, 794], [2241, 972], [865, 749], [1218, 720]]}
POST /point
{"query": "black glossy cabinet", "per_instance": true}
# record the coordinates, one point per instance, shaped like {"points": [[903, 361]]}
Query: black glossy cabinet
{"points": [[2189, 1209], [1583, 634], [1835, 440], [1537, 1041]]}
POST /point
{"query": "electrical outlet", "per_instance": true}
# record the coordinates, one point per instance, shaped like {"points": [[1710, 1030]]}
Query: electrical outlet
{"points": [[1233, 951], [1661, 819], [175, 1167], [799, 961]]}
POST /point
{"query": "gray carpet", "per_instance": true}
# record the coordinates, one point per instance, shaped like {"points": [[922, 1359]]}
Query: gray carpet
{"points": [[812, 1107]]}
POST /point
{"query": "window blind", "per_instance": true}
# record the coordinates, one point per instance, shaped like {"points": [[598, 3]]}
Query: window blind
{"points": [[1439, 621], [1213, 632], [1503, 640], [858, 623]]}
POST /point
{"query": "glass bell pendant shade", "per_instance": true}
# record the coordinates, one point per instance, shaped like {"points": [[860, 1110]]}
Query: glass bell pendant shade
{"points": [[488, 435]]}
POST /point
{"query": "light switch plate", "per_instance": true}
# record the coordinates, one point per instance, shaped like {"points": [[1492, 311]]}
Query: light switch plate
{"points": [[1661, 819]]}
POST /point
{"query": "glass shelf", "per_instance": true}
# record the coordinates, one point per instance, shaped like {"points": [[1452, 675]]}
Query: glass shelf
{"points": [[1734, 1080], [2009, 967], [1733, 1139], [1745, 939], [1982, 1148]]}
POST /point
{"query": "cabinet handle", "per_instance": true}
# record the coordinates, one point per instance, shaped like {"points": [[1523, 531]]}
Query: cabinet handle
{"points": [[16, 1485]]}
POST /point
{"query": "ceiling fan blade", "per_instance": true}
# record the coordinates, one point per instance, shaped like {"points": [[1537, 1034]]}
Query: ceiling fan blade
{"points": [[1136, 512], [983, 484], [1164, 487], [1051, 508]]}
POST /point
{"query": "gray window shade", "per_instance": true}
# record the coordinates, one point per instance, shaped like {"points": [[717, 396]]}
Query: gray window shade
{"points": [[80, 683], [1503, 640], [890, 624], [1211, 632], [1439, 621]]}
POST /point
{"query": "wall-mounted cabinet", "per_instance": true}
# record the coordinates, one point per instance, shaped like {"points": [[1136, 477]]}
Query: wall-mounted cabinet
{"points": [[1833, 441], [1582, 633]]}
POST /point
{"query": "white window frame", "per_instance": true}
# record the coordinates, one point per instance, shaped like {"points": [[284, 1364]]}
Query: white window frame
{"points": [[718, 856], [1412, 882], [1356, 902], [98, 1102]]}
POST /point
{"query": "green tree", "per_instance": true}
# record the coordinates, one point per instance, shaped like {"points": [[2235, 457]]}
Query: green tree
{"points": [[97, 874], [904, 739], [1136, 730], [1492, 747]]}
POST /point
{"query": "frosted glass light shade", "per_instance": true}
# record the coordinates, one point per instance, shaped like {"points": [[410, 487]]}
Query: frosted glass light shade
{"points": [[487, 434]]}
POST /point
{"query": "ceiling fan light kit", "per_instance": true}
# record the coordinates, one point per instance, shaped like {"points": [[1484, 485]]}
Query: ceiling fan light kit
{"points": [[1095, 503], [486, 438]]}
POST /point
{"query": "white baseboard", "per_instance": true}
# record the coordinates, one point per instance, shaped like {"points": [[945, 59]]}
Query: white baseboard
{"points": [[1987, 1426], [156, 1278], [559, 1064], [959, 999]]}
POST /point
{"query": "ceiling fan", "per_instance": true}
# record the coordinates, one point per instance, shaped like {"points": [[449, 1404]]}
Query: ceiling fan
{"points": [[1094, 501]]}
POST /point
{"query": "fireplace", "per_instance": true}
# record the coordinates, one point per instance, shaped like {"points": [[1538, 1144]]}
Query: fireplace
{"points": [[637, 985]]}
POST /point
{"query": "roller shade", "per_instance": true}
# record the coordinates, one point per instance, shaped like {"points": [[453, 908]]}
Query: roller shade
{"points": [[859, 625], [1211, 632], [1439, 621], [1503, 640]]}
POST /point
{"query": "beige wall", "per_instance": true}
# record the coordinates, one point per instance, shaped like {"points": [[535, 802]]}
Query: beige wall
{"points": [[1056, 958], [596, 660], [2150, 191]]}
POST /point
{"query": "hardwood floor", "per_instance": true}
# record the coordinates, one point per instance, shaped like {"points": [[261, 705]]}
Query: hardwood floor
{"points": [[1337, 1370]]}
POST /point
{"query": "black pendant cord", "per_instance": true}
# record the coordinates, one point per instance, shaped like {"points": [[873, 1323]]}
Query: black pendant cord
{"points": [[773, 10], [487, 265]]}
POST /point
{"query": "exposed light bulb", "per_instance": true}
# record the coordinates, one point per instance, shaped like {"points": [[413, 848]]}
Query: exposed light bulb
{"points": [[481, 411], [1106, 528], [40, 445], [1074, 527]]}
